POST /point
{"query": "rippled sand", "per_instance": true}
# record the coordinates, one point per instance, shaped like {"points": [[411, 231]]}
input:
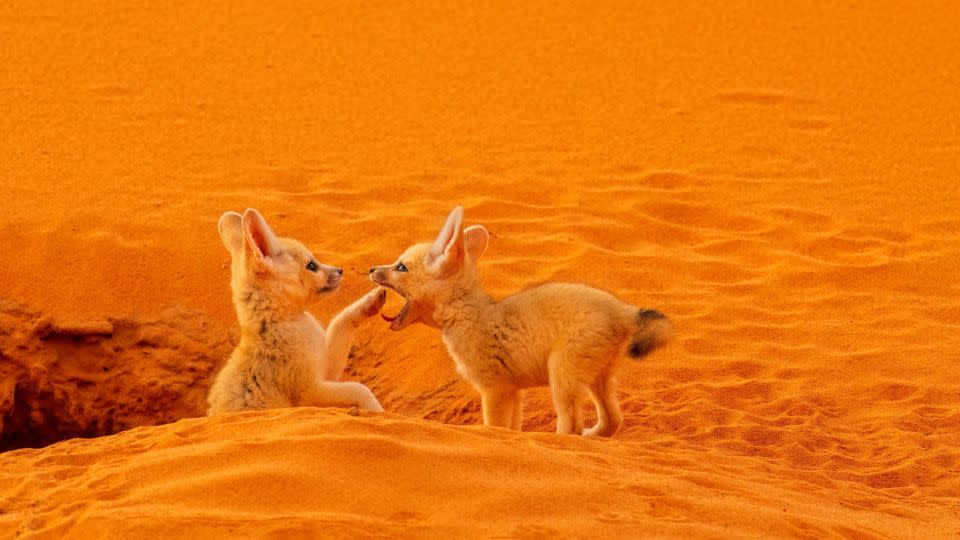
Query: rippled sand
{"points": [[781, 181]]}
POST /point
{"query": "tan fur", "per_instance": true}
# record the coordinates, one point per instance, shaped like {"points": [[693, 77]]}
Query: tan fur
{"points": [[284, 358], [569, 336]]}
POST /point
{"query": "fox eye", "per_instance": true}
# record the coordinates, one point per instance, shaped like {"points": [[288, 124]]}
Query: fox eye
{"points": [[402, 267], [312, 266]]}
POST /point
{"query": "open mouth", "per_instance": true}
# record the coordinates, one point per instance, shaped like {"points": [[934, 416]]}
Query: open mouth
{"points": [[397, 321]]}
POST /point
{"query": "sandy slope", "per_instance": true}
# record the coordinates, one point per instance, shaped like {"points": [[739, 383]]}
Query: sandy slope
{"points": [[295, 472], [781, 180]]}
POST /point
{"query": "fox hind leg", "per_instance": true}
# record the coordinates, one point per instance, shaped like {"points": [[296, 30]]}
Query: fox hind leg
{"points": [[517, 422], [500, 407], [578, 412], [604, 395], [567, 394]]}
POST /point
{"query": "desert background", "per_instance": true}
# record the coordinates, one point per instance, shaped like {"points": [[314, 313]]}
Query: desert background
{"points": [[781, 179]]}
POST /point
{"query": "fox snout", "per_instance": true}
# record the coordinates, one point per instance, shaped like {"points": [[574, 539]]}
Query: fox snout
{"points": [[387, 277], [333, 275], [378, 275]]}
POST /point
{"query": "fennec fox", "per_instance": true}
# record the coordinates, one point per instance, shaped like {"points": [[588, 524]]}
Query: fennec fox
{"points": [[284, 359], [569, 336]]}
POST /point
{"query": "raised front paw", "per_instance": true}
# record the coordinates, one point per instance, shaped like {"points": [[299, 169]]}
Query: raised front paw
{"points": [[372, 302]]}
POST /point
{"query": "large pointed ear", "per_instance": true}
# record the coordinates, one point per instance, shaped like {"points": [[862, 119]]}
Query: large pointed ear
{"points": [[447, 251], [475, 240], [231, 231], [257, 235]]}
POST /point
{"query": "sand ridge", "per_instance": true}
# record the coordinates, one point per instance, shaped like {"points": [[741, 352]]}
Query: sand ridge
{"points": [[780, 180], [455, 480]]}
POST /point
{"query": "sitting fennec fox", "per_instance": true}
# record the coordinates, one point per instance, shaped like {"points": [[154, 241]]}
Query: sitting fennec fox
{"points": [[283, 358], [569, 336]]}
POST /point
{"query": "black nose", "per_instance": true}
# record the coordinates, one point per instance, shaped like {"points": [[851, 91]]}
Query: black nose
{"points": [[373, 269], [339, 271]]}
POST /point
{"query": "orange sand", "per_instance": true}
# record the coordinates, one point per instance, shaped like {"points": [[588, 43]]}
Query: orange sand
{"points": [[781, 180]]}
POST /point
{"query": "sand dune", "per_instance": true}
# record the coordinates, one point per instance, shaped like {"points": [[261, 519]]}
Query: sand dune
{"points": [[299, 471], [780, 180]]}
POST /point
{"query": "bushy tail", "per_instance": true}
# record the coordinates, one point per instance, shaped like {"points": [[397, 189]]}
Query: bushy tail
{"points": [[653, 331]]}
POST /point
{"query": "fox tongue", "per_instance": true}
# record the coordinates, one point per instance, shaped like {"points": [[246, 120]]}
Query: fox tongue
{"points": [[396, 321]]}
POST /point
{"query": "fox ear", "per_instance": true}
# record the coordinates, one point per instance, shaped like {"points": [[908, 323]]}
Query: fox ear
{"points": [[231, 231], [257, 235], [447, 251], [475, 240]]}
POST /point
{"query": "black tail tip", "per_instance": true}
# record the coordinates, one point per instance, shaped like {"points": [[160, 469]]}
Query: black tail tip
{"points": [[653, 329], [639, 349]]}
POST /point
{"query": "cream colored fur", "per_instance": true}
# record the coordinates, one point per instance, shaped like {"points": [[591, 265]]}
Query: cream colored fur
{"points": [[569, 336], [284, 358]]}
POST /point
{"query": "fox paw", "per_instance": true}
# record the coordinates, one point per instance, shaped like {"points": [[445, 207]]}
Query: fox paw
{"points": [[373, 302]]}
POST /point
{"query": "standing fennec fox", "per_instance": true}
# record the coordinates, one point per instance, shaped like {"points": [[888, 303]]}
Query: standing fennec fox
{"points": [[569, 336], [284, 359]]}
